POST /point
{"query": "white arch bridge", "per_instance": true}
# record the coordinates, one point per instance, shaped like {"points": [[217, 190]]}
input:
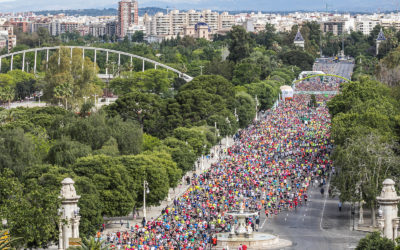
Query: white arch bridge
{"points": [[95, 50]]}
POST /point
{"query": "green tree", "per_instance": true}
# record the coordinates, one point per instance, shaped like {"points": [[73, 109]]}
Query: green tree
{"points": [[246, 73], [245, 108], [7, 94], [239, 44], [181, 152], [112, 180], [374, 241], [298, 58], [147, 167], [363, 164], [141, 107], [65, 152], [16, 151]]}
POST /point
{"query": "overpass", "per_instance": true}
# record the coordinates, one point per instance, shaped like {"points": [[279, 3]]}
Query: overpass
{"points": [[47, 50]]}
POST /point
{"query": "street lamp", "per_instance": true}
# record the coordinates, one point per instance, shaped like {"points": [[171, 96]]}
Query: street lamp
{"points": [[256, 108], [145, 191], [236, 115], [227, 138], [201, 70]]}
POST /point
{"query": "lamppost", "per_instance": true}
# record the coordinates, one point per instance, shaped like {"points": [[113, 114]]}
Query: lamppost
{"points": [[145, 191], [95, 99], [227, 138], [201, 70], [236, 115], [256, 108], [353, 212]]}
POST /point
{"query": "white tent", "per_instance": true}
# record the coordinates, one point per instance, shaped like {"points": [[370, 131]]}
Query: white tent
{"points": [[287, 92]]}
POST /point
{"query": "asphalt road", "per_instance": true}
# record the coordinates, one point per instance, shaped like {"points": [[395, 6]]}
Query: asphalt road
{"points": [[319, 225]]}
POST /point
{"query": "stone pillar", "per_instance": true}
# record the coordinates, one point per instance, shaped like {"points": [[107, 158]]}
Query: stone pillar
{"points": [[107, 63], [47, 59], [95, 59], [23, 61], [59, 56], [83, 59], [34, 63], [11, 63], [69, 214], [388, 201]]}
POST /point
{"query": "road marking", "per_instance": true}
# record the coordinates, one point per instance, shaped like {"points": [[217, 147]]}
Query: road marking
{"points": [[264, 223], [323, 208]]}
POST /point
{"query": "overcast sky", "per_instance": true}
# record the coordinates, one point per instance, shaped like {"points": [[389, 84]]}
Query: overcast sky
{"points": [[264, 5]]}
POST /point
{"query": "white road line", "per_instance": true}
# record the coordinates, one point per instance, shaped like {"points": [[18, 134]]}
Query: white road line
{"points": [[264, 223], [323, 208]]}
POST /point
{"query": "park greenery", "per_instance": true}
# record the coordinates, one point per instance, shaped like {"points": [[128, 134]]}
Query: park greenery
{"points": [[155, 131], [366, 122], [160, 124], [374, 241]]}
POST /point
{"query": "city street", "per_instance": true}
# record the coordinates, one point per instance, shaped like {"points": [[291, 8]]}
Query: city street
{"points": [[317, 225]]}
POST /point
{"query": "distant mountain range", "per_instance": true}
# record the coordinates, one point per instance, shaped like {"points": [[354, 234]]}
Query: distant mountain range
{"points": [[99, 12], [149, 10]]}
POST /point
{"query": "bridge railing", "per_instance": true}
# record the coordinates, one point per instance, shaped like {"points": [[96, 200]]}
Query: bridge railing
{"points": [[95, 49]]}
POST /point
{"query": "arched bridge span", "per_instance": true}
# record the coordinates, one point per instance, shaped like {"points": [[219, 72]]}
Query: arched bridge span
{"points": [[182, 75]]}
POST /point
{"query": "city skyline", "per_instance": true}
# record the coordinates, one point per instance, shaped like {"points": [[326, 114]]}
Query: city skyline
{"points": [[262, 5]]}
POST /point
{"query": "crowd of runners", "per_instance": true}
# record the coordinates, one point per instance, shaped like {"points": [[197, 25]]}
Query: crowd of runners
{"points": [[272, 164]]}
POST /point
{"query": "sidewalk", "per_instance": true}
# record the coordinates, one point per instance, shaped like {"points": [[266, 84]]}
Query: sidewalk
{"points": [[122, 224]]}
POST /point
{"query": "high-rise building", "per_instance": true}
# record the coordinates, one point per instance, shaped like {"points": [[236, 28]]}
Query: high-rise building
{"points": [[135, 12], [124, 17]]}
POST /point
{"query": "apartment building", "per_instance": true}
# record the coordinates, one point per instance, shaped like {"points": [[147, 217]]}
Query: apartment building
{"points": [[187, 23]]}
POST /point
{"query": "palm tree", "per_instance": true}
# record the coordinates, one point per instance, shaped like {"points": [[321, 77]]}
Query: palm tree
{"points": [[7, 94], [91, 243], [6, 240], [63, 92]]}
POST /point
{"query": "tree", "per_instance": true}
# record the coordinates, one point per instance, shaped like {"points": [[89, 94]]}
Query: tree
{"points": [[181, 152], [91, 131], [16, 151], [138, 37], [357, 92], [112, 181], [374, 241], [363, 163], [77, 75], [147, 167], [92, 243], [245, 109], [91, 207], [266, 92], [298, 58], [150, 142], [7, 94], [239, 44], [246, 73], [34, 217], [153, 81], [65, 152], [141, 107], [128, 134]]}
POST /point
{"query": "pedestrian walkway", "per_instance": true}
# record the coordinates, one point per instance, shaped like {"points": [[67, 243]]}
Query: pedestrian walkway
{"points": [[201, 165]]}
